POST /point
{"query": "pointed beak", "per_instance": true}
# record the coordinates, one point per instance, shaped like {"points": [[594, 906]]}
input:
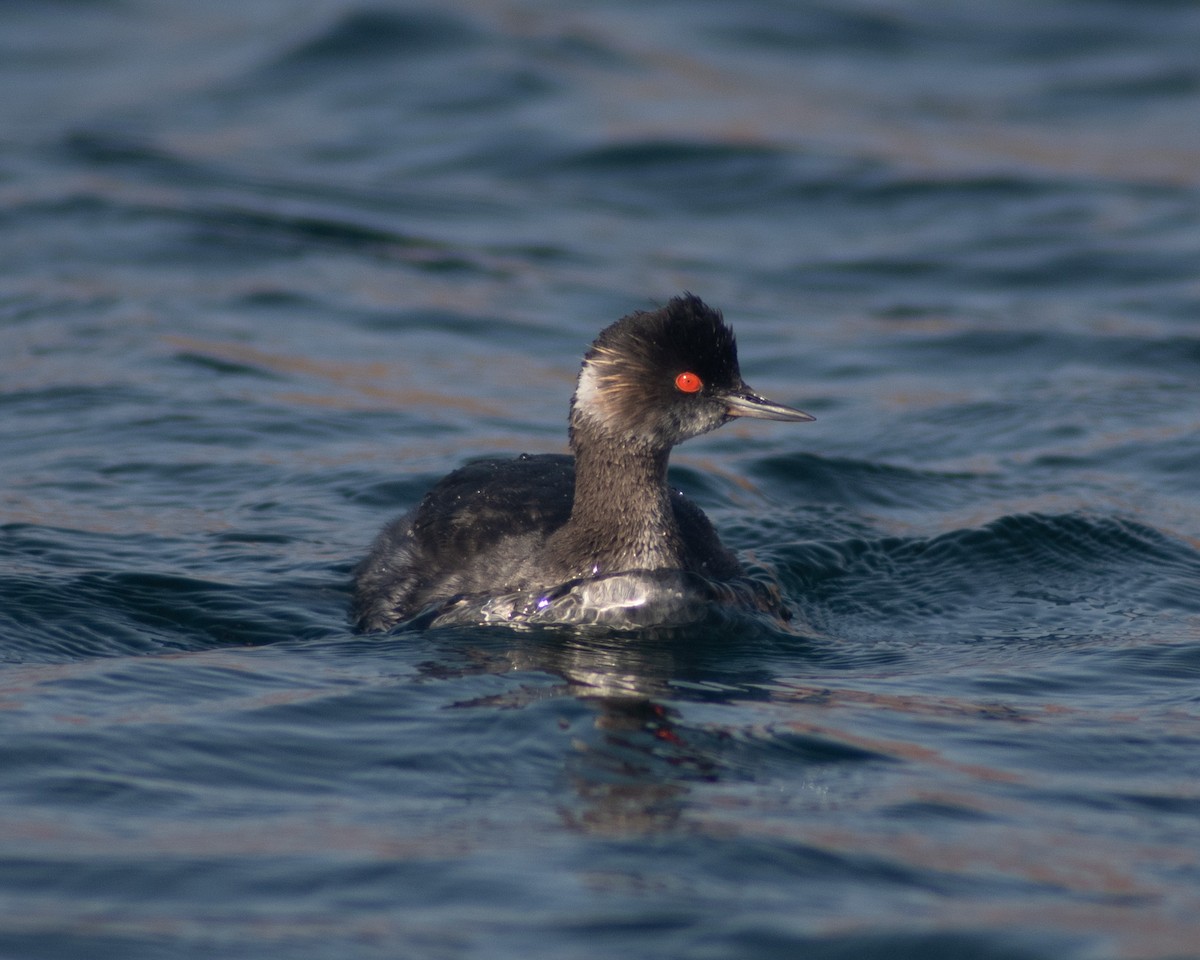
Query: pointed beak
{"points": [[746, 403]]}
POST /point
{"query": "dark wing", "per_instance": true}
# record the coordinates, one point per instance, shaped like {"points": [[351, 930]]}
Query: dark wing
{"points": [[700, 540], [469, 534]]}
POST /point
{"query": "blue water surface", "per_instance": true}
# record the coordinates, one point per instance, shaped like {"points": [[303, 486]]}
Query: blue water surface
{"points": [[268, 269]]}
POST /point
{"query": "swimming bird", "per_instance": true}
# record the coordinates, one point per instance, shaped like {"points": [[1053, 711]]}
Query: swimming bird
{"points": [[598, 536]]}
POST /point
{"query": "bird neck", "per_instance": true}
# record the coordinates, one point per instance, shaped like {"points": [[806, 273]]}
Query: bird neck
{"points": [[621, 518]]}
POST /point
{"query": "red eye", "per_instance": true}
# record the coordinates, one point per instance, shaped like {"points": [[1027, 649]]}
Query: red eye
{"points": [[688, 382]]}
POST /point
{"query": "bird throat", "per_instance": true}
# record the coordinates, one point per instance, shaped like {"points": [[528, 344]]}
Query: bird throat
{"points": [[621, 518]]}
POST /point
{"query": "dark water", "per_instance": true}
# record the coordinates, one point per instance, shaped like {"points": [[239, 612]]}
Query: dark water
{"points": [[269, 268]]}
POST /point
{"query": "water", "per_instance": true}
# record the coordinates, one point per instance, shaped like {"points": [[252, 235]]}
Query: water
{"points": [[269, 269]]}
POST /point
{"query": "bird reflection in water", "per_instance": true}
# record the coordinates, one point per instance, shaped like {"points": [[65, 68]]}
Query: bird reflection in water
{"points": [[631, 767]]}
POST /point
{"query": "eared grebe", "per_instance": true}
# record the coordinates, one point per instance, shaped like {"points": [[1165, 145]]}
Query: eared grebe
{"points": [[599, 537]]}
